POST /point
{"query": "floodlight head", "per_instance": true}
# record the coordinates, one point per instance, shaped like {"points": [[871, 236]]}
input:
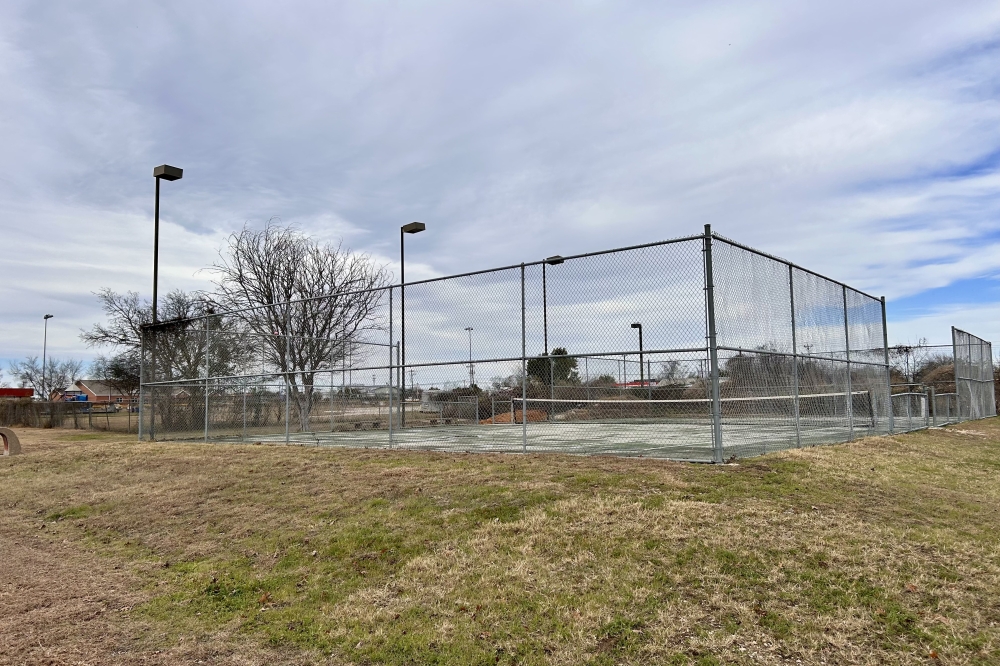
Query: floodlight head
{"points": [[554, 260], [413, 227], [468, 328], [636, 325], [47, 317], [167, 172]]}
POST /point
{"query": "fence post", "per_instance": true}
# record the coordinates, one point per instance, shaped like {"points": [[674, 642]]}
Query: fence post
{"points": [[713, 348], [888, 371], [795, 356], [524, 370], [401, 401], [388, 415], [847, 351], [288, 360], [244, 413], [207, 373], [954, 358], [152, 393], [933, 406], [142, 375]]}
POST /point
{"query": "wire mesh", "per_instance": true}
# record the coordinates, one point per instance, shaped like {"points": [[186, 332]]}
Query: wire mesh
{"points": [[605, 353], [973, 375]]}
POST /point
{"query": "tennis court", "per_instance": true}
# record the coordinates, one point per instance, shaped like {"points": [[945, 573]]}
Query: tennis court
{"points": [[694, 348]]}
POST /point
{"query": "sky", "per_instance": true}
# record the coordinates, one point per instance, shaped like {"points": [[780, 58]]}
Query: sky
{"points": [[858, 139]]}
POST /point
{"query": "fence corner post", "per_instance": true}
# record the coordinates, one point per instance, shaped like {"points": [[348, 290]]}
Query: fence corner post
{"points": [[713, 349], [888, 370], [524, 369]]}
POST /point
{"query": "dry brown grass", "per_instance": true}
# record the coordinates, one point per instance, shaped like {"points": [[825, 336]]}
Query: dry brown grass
{"points": [[883, 551]]}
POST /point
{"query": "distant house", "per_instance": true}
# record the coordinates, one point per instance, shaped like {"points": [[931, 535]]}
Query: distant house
{"points": [[97, 391], [68, 394]]}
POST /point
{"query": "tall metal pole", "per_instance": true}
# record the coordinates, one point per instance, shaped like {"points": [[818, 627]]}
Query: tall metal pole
{"points": [[795, 357], [524, 370], [156, 245], [888, 372], [850, 393], [713, 348]]}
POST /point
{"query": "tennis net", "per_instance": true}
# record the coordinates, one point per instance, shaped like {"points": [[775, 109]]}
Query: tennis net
{"points": [[856, 407]]}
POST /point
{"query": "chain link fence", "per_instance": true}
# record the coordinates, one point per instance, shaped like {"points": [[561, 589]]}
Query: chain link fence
{"points": [[695, 348]]}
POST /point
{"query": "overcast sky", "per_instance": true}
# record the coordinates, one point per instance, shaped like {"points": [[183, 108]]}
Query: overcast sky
{"points": [[859, 139]]}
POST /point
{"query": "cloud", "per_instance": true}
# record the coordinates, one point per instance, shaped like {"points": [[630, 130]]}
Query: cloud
{"points": [[856, 139]]}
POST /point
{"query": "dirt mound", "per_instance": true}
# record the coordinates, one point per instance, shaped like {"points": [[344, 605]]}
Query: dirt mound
{"points": [[533, 415]]}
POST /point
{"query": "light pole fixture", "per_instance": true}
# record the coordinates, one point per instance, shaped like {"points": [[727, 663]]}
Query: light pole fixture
{"points": [[45, 344], [554, 260], [411, 228], [472, 371], [642, 379], [162, 172]]}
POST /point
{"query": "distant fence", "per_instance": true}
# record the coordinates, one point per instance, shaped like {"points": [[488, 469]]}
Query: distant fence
{"points": [[27, 413], [696, 348]]}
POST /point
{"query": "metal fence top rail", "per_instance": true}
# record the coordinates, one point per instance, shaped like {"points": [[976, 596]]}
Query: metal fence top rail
{"points": [[681, 239]]}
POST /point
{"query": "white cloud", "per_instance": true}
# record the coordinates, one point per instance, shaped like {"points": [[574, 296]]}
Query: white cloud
{"points": [[840, 136]]}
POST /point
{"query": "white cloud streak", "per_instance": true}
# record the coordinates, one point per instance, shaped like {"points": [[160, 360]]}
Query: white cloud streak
{"points": [[857, 139]]}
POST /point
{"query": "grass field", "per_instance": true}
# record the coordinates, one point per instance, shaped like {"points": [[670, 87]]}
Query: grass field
{"points": [[883, 551]]}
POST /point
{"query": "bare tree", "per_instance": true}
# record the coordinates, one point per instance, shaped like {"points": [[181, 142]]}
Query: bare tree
{"points": [[184, 348], [58, 374], [306, 304]]}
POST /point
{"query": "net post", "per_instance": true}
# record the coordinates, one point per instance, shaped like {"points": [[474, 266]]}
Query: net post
{"points": [[888, 372], [713, 348], [524, 370], [847, 351], [795, 357]]}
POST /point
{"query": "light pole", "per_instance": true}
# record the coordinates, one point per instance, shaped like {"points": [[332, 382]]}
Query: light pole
{"points": [[472, 371], [641, 369], [411, 228], [162, 172], [45, 344]]}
